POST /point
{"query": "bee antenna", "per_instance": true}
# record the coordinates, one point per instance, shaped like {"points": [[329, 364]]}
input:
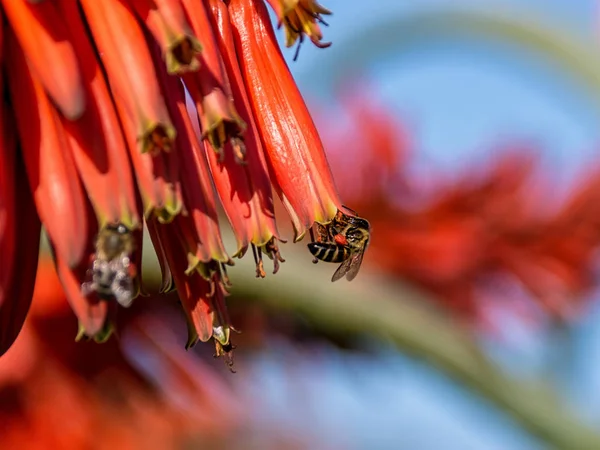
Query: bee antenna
{"points": [[350, 209]]}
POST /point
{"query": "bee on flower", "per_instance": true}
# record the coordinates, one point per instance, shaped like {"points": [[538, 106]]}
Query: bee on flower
{"points": [[125, 116]]}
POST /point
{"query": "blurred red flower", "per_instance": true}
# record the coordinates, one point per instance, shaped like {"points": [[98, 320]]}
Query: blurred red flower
{"points": [[469, 240], [57, 393]]}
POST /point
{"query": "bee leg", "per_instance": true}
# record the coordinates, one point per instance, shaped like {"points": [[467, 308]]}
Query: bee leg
{"points": [[260, 270], [312, 239], [226, 351], [87, 288]]}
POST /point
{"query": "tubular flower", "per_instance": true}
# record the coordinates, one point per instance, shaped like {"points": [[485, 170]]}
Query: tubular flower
{"points": [[249, 183], [301, 17], [125, 115], [293, 147], [209, 87]]}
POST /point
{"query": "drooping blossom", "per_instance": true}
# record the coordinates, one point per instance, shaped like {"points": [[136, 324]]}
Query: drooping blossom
{"points": [[125, 115]]}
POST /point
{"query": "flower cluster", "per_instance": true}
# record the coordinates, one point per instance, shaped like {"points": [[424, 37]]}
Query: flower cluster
{"points": [[125, 115]]}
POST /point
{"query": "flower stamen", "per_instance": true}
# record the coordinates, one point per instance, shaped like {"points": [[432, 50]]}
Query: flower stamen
{"points": [[260, 269], [158, 141], [185, 52], [225, 277], [272, 249]]}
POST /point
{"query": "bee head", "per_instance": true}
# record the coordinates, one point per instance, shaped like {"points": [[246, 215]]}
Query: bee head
{"points": [[113, 240], [359, 222], [356, 236], [118, 228]]}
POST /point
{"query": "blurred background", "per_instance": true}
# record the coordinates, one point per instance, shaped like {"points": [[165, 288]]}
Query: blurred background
{"points": [[467, 133]]}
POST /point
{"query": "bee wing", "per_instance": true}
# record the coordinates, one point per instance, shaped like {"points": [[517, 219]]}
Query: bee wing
{"points": [[351, 266], [123, 291], [342, 270], [122, 286]]}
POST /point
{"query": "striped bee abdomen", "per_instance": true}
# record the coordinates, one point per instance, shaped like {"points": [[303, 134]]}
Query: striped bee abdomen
{"points": [[329, 252]]}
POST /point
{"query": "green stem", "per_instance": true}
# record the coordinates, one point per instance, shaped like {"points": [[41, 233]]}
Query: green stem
{"points": [[394, 314]]}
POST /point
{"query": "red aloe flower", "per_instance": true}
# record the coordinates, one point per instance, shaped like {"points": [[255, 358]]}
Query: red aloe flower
{"points": [[209, 87], [95, 139], [121, 44], [45, 40], [50, 167], [106, 144], [16, 291], [293, 148], [300, 17], [249, 183], [168, 24]]}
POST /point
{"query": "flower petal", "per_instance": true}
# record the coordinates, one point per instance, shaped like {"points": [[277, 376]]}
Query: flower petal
{"points": [[43, 37], [52, 175], [301, 17], [8, 203], [245, 190], [167, 22], [209, 86], [131, 74], [19, 290], [91, 314], [96, 140], [201, 222], [158, 175], [300, 172], [193, 290]]}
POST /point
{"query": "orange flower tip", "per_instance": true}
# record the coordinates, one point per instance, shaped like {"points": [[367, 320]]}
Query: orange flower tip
{"points": [[301, 17], [299, 233], [225, 277], [271, 249], [208, 270], [192, 338], [112, 271], [193, 263], [167, 287], [220, 122], [181, 56], [167, 213], [283, 8], [102, 336], [241, 252], [226, 351], [159, 138]]}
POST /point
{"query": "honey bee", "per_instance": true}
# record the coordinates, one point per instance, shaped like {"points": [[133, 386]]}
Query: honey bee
{"points": [[344, 240], [112, 271]]}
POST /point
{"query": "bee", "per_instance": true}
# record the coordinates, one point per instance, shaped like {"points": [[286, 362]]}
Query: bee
{"points": [[112, 271], [345, 240]]}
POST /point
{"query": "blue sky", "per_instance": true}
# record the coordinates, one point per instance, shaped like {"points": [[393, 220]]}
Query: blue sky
{"points": [[461, 98], [476, 93]]}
